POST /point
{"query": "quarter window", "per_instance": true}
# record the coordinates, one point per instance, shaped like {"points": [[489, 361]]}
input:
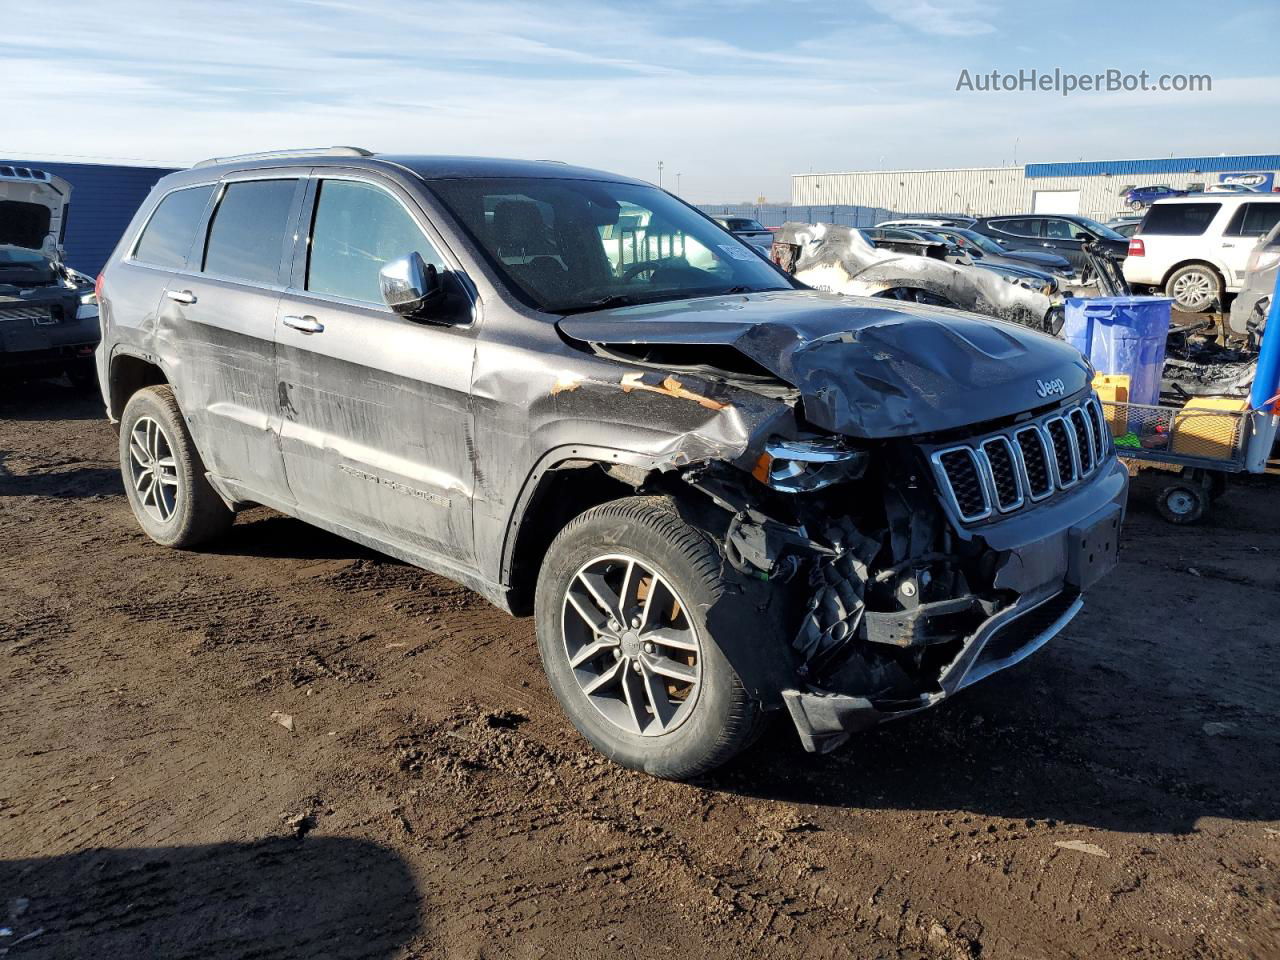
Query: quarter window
{"points": [[1179, 219], [1254, 219], [167, 237], [246, 237], [357, 229]]}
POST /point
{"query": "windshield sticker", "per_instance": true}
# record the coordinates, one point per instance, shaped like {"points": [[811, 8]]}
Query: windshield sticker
{"points": [[737, 253]]}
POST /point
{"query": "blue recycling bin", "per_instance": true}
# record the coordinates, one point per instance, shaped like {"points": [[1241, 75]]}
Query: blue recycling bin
{"points": [[1123, 335]]}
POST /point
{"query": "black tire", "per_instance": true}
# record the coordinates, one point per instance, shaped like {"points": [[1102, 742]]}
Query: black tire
{"points": [[83, 375], [197, 514], [1182, 503], [1194, 288], [723, 719]]}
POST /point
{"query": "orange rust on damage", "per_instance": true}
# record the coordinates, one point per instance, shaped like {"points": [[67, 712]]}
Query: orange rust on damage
{"points": [[671, 387]]}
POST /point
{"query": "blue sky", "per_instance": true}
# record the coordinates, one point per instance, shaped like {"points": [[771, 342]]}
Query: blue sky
{"points": [[734, 95]]}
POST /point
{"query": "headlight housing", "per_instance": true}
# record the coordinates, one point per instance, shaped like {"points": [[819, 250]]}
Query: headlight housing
{"points": [[801, 466]]}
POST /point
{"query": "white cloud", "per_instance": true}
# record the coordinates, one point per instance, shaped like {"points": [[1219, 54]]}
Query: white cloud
{"points": [[944, 18], [586, 82]]}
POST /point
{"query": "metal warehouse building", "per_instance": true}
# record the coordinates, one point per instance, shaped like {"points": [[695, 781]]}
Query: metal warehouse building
{"points": [[104, 198], [1091, 188]]}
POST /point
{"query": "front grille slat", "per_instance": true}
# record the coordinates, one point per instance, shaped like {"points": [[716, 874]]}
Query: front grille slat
{"points": [[1002, 471], [1005, 475], [960, 469], [1063, 458], [1035, 462], [1084, 441]]}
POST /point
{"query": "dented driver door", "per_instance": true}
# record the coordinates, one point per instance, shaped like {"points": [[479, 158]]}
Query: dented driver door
{"points": [[374, 407]]}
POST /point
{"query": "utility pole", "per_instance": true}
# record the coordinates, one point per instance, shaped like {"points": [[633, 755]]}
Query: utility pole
{"points": [[659, 173], [677, 184]]}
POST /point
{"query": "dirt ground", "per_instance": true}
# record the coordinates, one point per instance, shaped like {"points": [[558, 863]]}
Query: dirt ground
{"points": [[1114, 796]]}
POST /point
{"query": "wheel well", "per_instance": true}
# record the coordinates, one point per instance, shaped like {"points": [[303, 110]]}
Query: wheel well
{"points": [[1222, 284], [128, 375], [562, 493]]}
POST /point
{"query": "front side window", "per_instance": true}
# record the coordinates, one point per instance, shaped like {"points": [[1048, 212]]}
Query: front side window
{"points": [[166, 239], [246, 237], [1059, 230], [357, 228], [1179, 219], [572, 245]]}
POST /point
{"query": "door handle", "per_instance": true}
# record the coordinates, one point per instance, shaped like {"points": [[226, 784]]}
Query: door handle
{"points": [[1227, 246], [306, 324], [180, 296]]}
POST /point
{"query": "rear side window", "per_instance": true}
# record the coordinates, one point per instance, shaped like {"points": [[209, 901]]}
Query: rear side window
{"points": [[1019, 228], [166, 239], [1254, 219], [356, 229], [1179, 219], [246, 237]]}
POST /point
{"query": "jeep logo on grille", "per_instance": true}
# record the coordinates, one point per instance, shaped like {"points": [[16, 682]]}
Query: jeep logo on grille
{"points": [[1047, 388]]}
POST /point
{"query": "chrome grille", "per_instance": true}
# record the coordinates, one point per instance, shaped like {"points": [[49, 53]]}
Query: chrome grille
{"points": [[1003, 471]]}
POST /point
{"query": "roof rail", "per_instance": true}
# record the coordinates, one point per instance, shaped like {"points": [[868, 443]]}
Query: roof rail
{"points": [[286, 154]]}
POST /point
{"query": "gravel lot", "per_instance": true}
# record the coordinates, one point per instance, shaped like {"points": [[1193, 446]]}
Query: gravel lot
{"points": [[294, 747]]}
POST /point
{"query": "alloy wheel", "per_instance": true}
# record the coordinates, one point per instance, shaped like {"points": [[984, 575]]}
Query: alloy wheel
{"points": [[1193, 290], [153, 469], [631, 645]]}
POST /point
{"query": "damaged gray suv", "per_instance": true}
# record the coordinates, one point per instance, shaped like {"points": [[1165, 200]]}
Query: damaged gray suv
{"points": [[722, 495]]}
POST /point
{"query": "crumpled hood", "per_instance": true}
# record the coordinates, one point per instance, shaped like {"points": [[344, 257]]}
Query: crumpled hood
{"points": [[864, 367]]}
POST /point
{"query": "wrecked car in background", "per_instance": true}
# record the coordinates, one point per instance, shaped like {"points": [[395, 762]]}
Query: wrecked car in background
{"points": [[720, 494], [48, 312], [841, 260]]}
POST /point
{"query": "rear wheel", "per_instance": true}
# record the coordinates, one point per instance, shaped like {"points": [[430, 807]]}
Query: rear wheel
{"points": [[621, 609], [1194, 288], [164, 477]]}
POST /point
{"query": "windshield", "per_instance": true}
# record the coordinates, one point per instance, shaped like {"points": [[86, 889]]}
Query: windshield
{"points": [[573, 245], [1105, 232], [975, 239]]}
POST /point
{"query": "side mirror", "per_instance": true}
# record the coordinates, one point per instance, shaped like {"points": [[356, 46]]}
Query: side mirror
{"points": [[410, 286]]}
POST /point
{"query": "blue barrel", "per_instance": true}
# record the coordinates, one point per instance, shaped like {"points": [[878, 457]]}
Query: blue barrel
{"points": [[1124, 335]]}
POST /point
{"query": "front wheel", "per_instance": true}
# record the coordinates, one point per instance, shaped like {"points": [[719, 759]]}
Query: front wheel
{"points": [[164, 477], [622, 604]]}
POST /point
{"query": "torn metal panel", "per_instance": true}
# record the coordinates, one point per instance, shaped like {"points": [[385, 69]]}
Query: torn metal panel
{"points": [[840, 259]]}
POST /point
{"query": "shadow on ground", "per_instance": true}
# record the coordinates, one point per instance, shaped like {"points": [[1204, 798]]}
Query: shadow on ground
{"points": [[280, 897], [49, 400]]}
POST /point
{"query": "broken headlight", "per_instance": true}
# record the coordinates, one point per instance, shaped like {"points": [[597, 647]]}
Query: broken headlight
{"points": [[799, 466]]}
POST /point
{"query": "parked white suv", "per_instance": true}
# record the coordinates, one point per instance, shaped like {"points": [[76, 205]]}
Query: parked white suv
{"points": [[1196, 248]]}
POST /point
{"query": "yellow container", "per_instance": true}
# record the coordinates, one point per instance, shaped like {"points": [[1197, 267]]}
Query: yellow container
{"points": [[1113, 391], [1209, 427]]}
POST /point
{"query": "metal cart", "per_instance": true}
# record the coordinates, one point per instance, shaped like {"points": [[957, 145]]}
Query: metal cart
{"points": [[1198, 445]]}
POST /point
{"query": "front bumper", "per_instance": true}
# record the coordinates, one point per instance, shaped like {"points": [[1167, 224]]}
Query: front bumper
{"points": [[1052, 554], [33, 348], [1242, 309]]}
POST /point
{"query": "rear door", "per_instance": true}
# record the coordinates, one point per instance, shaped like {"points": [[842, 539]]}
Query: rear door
{"points": [[217, 324], [1247, 224], [1064, 238], [375, 407]]}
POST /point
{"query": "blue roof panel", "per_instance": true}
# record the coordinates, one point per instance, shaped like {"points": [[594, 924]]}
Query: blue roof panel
{"points": [[1120, 168]]}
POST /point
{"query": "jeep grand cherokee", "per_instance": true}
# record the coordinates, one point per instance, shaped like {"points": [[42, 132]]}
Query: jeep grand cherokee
{"points": [[720, 494]]}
